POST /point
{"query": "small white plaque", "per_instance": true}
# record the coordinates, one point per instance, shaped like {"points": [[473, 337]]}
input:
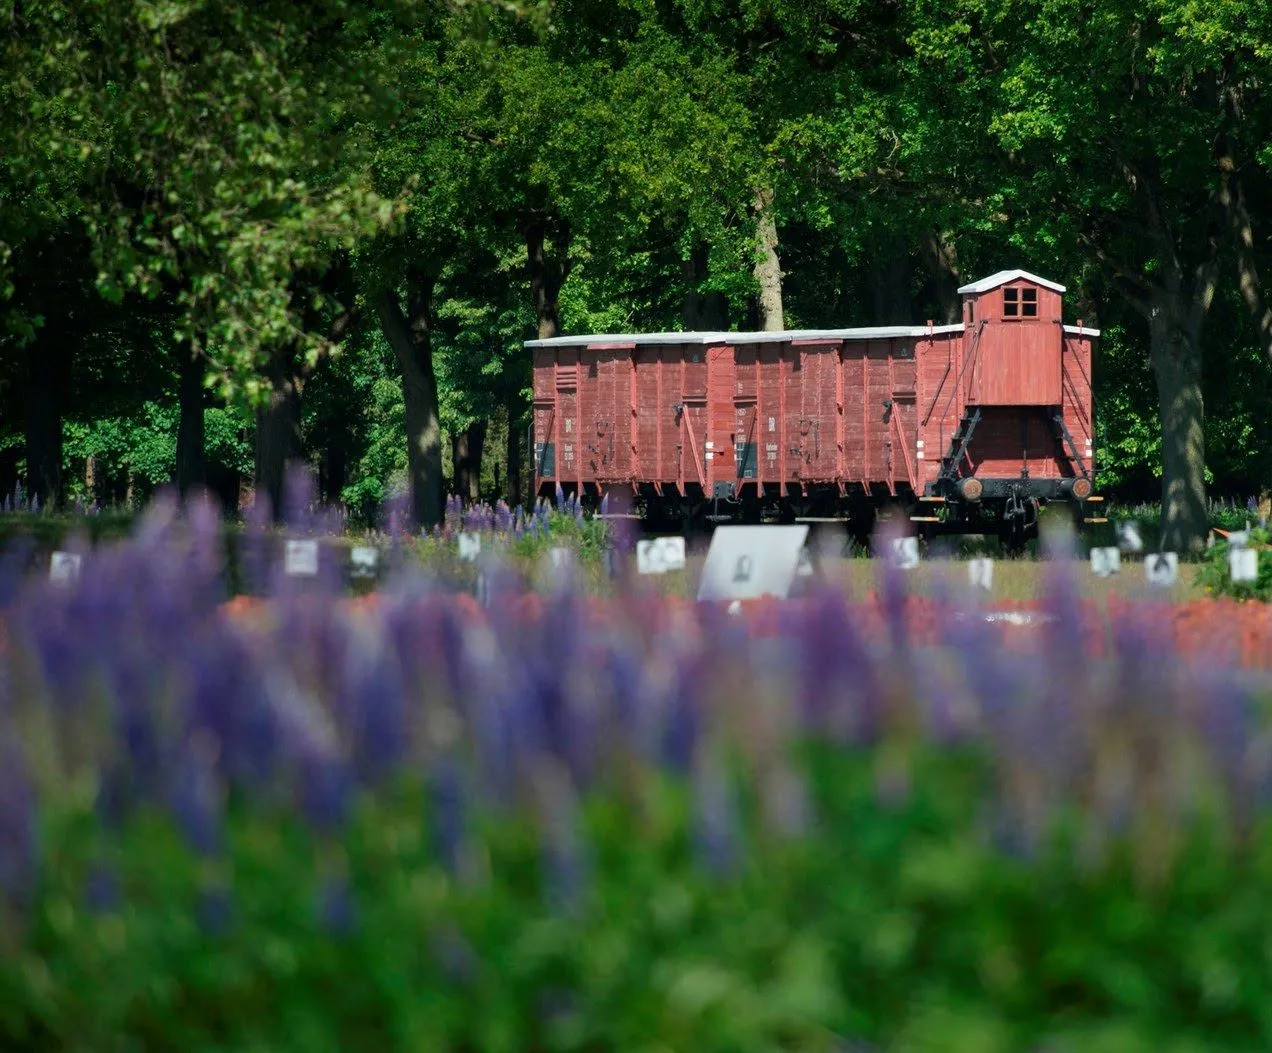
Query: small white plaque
{"points": [[363, 560], [1106, 562], [659, 555], [1128, 537], [300, 558], [980, 572], [1243, 564], [1162, 569], [905, 552], [64, 567], [559, 556], [469, 547]]}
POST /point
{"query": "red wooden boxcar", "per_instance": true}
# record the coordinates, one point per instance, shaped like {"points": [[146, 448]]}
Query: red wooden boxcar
{"points": [[984, 420]]}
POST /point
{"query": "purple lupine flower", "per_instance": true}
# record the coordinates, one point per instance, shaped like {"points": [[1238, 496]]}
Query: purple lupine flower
{"points": [[336, 907], [326, 789], [446, 813], [377, 693], [195, 797], [565, 863], [102, 891], [299, 498], [559, 496], [17, 825], [215, 910], [715, 823]]}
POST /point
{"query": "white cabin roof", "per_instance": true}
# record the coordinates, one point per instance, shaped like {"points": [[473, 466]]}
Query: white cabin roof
{"points": [[1003, 277]]}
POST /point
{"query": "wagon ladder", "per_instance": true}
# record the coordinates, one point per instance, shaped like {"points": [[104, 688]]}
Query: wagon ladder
{"points": [[958, 446]]}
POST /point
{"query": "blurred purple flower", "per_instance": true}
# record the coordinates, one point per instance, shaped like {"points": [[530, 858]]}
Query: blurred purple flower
{"points": [[446, 813], [336, 907], [326, 792], [18, 847], [196, 796], [215, 910], [715, 825], [102, 891]]}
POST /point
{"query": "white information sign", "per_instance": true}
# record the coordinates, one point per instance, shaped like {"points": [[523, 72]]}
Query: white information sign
{"points": [[660, 554], [905, 552], [980, 572], [1162, 569], [559, 556], [469, 547], [1239, 538], [363, 560], [1106, 562], [64, 567], [746, 562], [1243, 564], [1128, 537], [300, 558]]}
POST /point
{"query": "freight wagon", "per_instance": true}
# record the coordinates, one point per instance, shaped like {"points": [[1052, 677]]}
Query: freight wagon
{"points": [[966, 428]]}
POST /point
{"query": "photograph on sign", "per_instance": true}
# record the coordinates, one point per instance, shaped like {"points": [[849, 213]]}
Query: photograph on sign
{"points": [[469, 547], [1162, 569], [363, 560], [980, 572], [905, 552], [660, 555], [746, 562], [1128, 537], [64, 567], [805, 567], [1243, 564], [1106, 562], [300, 558]]}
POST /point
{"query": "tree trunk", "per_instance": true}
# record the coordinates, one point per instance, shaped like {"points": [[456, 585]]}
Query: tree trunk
{"points": [[546, 278], [704, 312], [409, 335], [468, 449], [191, 458], [941, 261], [890, 288], [278, 438], [514, 453], [46, 383], [768, 268], [1175, 350]]}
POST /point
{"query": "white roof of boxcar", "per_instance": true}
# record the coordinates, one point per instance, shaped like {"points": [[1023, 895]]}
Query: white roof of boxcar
{"points": [[783, 336], [1003, 277], [734, 339]]}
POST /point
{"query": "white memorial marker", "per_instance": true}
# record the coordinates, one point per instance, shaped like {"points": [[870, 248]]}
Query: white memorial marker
{"points": [[64, 567], [300, 558], [905, 552], [747, 562], [1243, 563], [1105, 562], [659, 555], [980, 572], [1162, 569], [363, 560], [1128, 537], [469, 547]]}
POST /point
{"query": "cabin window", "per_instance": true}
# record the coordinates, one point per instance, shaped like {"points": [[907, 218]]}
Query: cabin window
{"points": [[1020, 302]]}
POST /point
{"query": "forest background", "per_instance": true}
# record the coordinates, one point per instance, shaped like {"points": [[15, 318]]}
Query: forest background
{"points": [[233, 234]]}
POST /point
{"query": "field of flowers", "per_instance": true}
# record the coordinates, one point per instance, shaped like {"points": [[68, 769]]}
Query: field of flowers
{"points": [[516, 818]]}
